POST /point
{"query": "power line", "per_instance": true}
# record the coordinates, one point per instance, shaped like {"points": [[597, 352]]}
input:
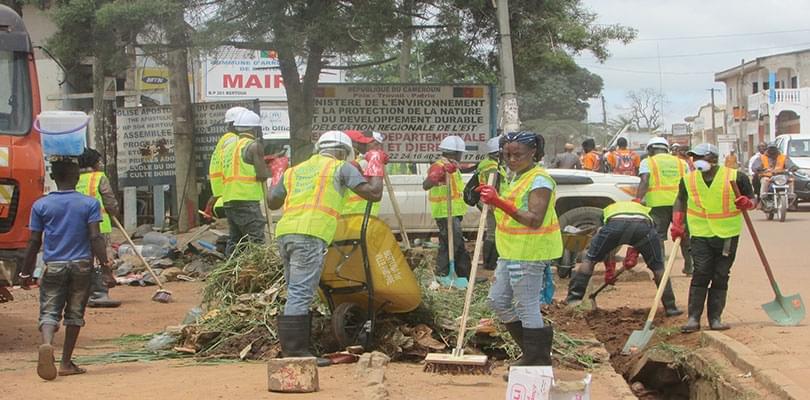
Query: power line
{"points": [[722, 35], [710, 53], [635, 71]]}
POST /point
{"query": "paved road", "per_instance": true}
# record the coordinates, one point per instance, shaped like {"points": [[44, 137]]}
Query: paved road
{"points": [[787, 246]]}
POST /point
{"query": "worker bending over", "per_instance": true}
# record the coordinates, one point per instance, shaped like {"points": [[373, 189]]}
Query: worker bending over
{"points": [[626, 223], [712, 212], [445, 170], [660, 173], [528, 239], [244, 173], [311, 195]]}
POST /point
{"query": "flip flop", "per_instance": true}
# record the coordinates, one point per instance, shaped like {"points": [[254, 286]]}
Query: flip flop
{"points": [[75, 370], [46, 365]]}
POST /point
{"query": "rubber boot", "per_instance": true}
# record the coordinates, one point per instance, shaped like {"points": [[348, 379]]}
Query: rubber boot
{"points": [[516, 330], [536, 348], [294, 335], [697, 297], [577, 287], [668, 299], [100, 294], [715, 305]]}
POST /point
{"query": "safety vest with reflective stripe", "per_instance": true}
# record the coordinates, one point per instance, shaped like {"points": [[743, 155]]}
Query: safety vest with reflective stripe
{"points": [[215, 166], [710, 211], [625, 208], [89, 186], [666, 172], [239, 177], [354, 204], [438, 196], [516, 241], [313, 204], [485, 168], [766, 163]]}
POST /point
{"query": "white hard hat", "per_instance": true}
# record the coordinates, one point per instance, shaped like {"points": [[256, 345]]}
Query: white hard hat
{"points": [[492, 145], [378, 137], [704, 149], [658, 142], [452, 143], [248, 118], [233, 112], [334, 139]]}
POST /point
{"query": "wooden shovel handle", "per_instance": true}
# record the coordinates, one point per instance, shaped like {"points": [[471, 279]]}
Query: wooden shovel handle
{"points": [[397, 213], [664, 279]]}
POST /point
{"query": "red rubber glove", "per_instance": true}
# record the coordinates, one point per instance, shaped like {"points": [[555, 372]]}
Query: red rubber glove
{"points": [[489, 195], [437, 174], [450, 168], [678, 229], [209, 208], [376, 160], [630, 258], [610, 270], [277, 167], [744, 203]]}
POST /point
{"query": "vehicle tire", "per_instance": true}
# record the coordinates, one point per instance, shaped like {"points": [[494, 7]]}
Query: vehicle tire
{"points": [[782, 209], [348, 321], [583, 218]]}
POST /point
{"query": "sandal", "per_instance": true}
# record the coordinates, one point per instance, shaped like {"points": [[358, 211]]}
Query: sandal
{"points": [[74, 370], [46, 364]]}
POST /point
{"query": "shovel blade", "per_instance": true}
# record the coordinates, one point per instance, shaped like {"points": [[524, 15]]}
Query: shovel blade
{"points": [[637, 341], [786, 311], [452, 282]]}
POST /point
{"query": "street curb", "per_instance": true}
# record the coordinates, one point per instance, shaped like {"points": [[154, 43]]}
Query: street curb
{"points": [[742, 357]]}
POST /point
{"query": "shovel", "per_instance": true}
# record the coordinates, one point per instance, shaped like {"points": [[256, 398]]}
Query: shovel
{"points": [[592, 296], [452, 279], [784, 310], [639, 339]]}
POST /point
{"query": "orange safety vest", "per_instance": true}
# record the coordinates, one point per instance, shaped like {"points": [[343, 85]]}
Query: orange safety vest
{"points": [[766, 163]]}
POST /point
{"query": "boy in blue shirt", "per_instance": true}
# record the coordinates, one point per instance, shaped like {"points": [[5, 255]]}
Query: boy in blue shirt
{"points": [[70, 223]]}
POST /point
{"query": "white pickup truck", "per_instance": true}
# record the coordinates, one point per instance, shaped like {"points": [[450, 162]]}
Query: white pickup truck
{"points": [[581, 195]]}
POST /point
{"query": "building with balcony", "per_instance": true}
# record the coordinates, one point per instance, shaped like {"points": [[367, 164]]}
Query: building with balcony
{"points": [[767, 97], [700, 125]]}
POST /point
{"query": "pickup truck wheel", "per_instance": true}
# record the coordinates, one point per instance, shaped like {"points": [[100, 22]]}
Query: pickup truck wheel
{"points": [[582, 218]]}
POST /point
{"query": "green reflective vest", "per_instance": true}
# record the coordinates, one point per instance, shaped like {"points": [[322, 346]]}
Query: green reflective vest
{"points": [[710, 211], [215, 166], [627, 208], [516, 241], [88, 185], [437, 196], [666, 172], [313, 204], [239, 177]]}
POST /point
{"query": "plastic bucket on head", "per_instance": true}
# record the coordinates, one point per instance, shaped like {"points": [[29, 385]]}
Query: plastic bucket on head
{"points": [[63, 132]]}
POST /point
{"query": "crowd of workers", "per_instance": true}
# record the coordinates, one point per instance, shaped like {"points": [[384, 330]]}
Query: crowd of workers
{"points": [[345, 173]]}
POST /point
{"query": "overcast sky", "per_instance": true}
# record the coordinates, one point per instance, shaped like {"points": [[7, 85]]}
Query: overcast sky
{"points": [[729, 31]]}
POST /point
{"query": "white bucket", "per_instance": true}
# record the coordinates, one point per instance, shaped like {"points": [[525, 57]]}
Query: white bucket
{"points": [[63, 132]]}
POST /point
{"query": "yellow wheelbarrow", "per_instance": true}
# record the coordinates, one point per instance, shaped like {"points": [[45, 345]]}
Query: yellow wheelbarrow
{"points": [[575, 240], [365, 274]]}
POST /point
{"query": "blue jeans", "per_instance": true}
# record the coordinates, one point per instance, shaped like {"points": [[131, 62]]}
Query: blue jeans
{"points": [[515, 294], [303, 262], [64, 287]]}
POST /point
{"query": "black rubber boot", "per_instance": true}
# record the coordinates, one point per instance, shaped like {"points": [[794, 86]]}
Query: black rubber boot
{"points": [[537, 346], [697, 297], [715, 305], [294, 335], [668, 299], [516, 330], [577, 287]]}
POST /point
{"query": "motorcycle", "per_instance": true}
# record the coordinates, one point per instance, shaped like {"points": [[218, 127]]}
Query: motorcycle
{"points": [[776, 200]]}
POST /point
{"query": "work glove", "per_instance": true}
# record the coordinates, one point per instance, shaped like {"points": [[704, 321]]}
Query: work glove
{"points": [[610, 270], [678, 229], [630, 258], [437, 175], [744, 203], [375, 163], [209, 208], [489, 195], [277, 167], [450, 168]]}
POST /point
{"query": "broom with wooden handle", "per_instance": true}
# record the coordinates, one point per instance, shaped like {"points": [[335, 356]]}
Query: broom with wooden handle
{"points": [[162, 295]]}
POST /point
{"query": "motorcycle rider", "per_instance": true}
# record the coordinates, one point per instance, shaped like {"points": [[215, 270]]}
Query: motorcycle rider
{"points": [[754, 178], [770, 163], [660, 174], [715, 223]]}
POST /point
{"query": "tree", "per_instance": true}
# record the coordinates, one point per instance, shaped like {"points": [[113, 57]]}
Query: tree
{"points": [[644, 110]]}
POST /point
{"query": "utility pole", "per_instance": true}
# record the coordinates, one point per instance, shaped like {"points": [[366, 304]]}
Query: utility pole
{"points": [[714, 127], [509, 104], [604, 112]]}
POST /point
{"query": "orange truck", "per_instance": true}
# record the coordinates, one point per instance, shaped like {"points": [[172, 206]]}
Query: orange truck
{"points": [[22, 167]]}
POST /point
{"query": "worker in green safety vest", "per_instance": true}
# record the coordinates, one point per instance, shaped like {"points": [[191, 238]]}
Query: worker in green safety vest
{"points": [[94, 183], [244, 172], [625, 223], [214, 208], [484, 170], [366, 144]]}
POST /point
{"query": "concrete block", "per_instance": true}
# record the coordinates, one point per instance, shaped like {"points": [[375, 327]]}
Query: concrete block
{"points": [[292, 375]]}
